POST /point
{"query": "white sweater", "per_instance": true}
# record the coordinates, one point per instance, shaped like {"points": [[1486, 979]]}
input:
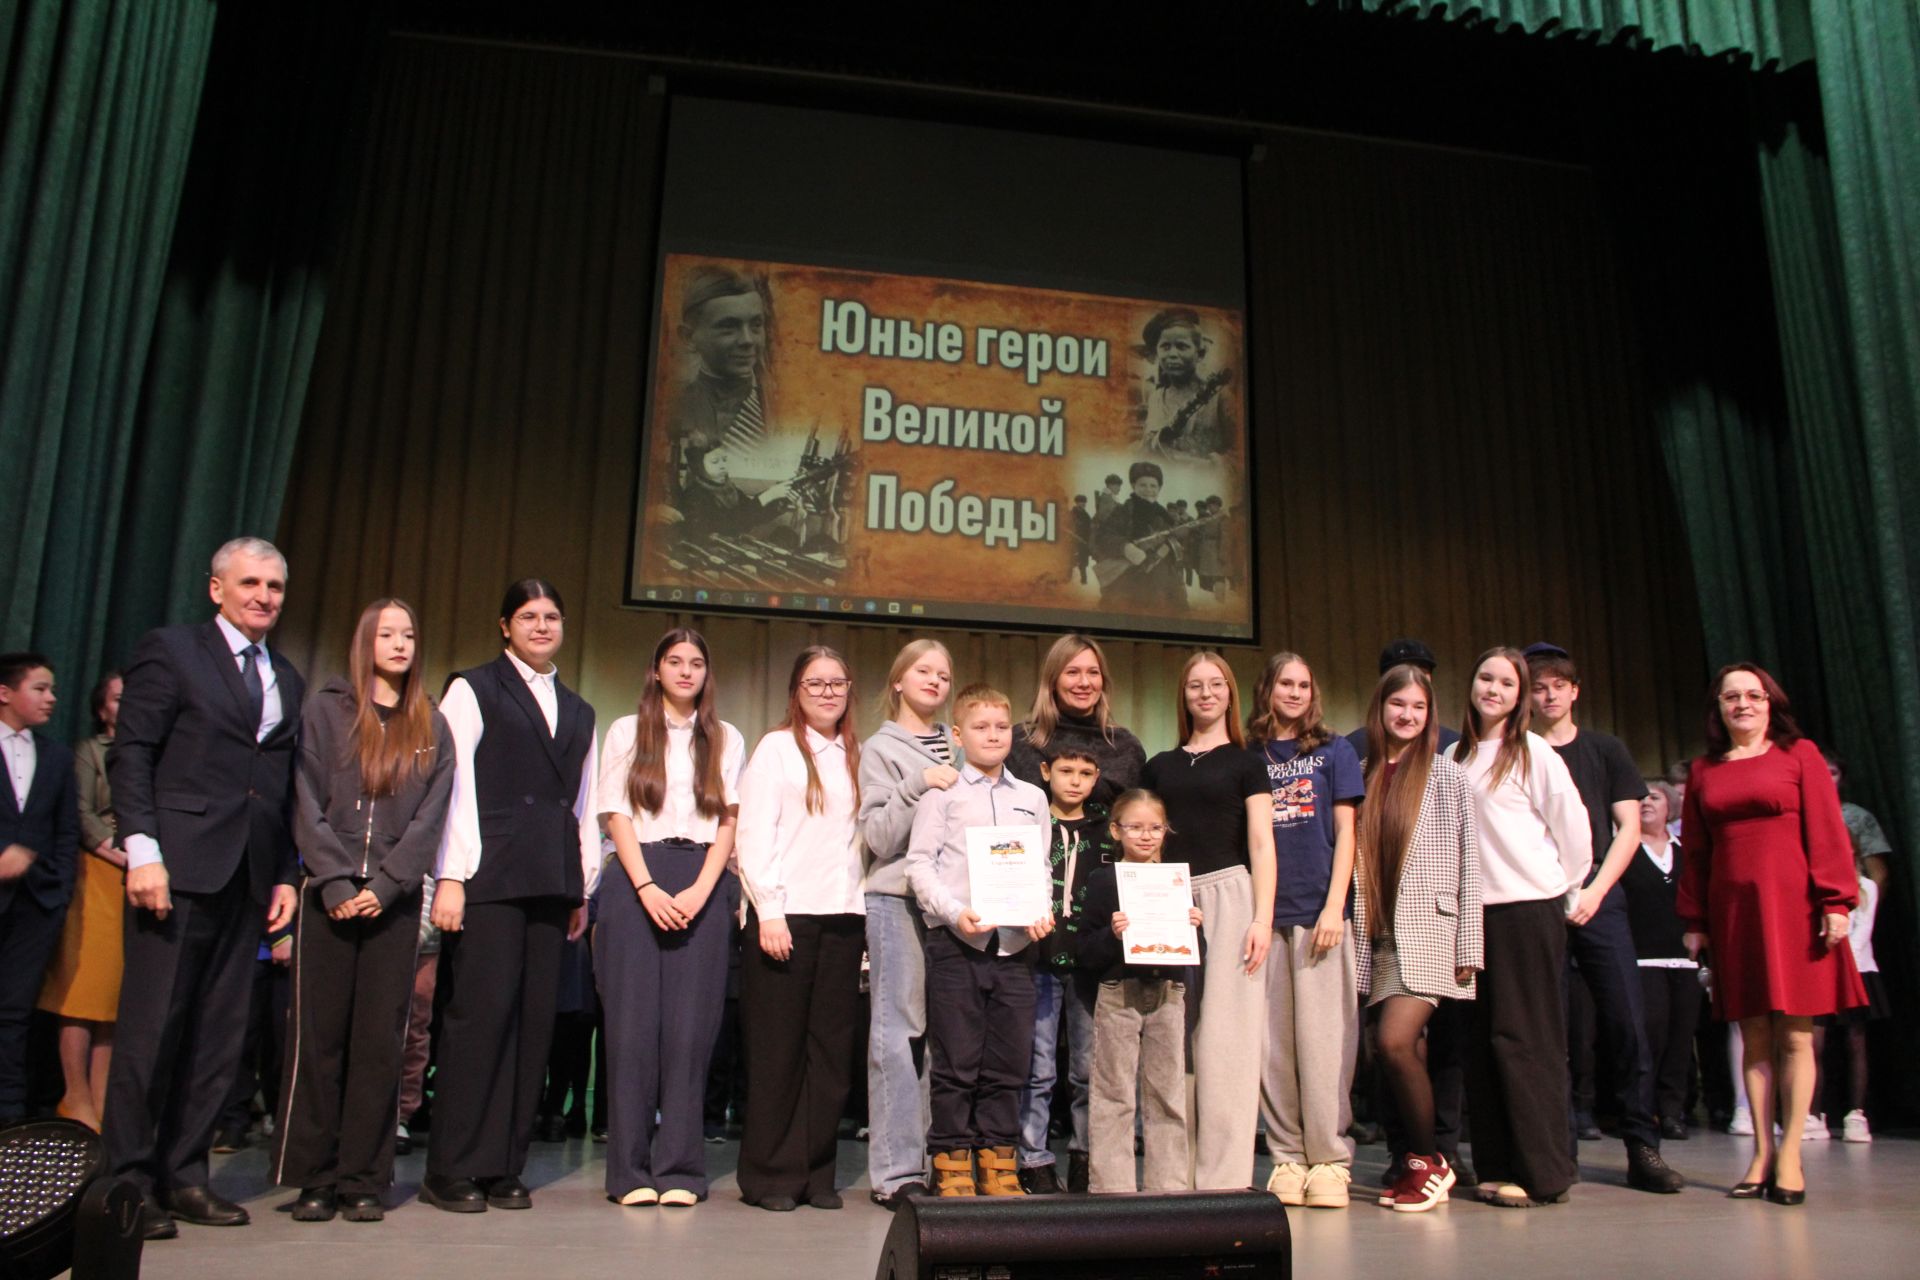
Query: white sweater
{"points": [[1535, 840]]}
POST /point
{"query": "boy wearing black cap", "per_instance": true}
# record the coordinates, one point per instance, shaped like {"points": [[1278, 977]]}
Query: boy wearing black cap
{"points": [[1600, 939], [1142, 564]]}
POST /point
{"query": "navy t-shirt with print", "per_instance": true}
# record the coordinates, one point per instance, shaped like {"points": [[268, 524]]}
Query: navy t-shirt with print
{"points": [[1305, 790]]}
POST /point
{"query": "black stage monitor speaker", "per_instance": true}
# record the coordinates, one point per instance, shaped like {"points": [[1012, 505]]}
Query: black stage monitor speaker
{"points": [[1234, 1235], [59, 1211]]}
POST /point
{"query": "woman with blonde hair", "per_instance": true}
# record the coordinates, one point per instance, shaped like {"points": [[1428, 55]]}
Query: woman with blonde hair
{"points": [[1220, 808], [1072, 706], [911, 754]]}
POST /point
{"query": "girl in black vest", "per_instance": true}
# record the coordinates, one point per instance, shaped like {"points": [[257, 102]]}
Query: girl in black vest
{"points": [[371, 788], [520, 856]]}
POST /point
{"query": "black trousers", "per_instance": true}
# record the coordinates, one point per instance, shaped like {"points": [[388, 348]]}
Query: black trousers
{"points": [[340, 1095], [263, 1050], [184, 998], [663, 993], [28, 934], [1601, 957], [1517, 1056], [1671, 999], [801, 1031], [501, 975], [979, 1041]]}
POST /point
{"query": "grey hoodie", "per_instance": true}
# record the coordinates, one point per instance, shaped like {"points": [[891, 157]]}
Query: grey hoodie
{"points": [[348, 839], [893, 766]]}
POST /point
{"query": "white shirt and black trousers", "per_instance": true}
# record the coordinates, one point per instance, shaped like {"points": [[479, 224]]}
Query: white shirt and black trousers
{"points": [[662, 992], [202, 774], [799, 1017], [353, 979], [38, 810], [518, 835]]}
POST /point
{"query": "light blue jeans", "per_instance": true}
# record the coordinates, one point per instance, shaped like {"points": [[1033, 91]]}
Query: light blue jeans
{"points": [[897, 1111], [1054, 997]]}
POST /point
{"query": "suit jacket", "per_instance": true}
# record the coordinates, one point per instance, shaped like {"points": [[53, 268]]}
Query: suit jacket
{"points": [[49, 825], [1436, 913], [186, 770]]}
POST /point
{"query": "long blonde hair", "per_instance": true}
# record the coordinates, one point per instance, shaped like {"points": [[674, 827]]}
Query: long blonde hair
{"points": [[1045, 716], [910, 653], [1234, 732]]}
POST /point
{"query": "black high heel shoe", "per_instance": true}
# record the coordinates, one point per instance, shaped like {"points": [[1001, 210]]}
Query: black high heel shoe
{"points": [[1749, 1190], [1780, 1195]]}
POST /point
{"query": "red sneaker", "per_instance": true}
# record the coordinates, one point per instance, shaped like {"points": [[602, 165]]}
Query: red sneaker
{"points": [[1424, 1184]]}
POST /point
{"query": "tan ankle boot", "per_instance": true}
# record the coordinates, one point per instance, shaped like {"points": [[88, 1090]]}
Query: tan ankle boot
{"points": [[999, 1172], [953, 1173]]}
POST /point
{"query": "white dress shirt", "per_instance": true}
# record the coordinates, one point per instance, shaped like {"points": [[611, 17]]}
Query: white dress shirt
{"points": [[270, 710], [21, 755], [460, 842], [793, 862], [1535, 840], [679, 817]]}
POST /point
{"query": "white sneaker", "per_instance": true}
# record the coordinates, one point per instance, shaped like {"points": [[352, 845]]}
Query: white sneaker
{"points": [[1741, 1126], [1327, 1186], [1854, 1127], [1289, 1182], [1816, 1130]]}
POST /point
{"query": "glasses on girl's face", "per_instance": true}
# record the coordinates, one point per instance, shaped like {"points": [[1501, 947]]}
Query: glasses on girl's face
{"points": [[820, 688], [1144, 830]]}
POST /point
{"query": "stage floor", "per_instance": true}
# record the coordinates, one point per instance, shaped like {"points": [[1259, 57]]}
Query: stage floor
{"points": [[1859, 1221]]}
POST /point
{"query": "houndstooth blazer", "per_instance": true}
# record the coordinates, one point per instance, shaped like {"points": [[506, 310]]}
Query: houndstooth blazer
{"points": [[1436, 914]]}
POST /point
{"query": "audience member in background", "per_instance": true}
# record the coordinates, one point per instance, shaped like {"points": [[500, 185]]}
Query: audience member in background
{"points": [[418, 1051], [39, 841], [1073, 707], [1600, 952], [1140, 1022], [907, 758], [82, 988], [1768, 886], [1219, 805], [202, 774], [1669, 980], [1312, 1001], [799, 988], [520, 857], [1536, 848], [1870, 853], [670, 797], [1417, 911], [371, 789], [254, 1097]]}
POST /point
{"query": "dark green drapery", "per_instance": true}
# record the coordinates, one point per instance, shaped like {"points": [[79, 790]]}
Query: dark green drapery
{"points": [[96, 113]]}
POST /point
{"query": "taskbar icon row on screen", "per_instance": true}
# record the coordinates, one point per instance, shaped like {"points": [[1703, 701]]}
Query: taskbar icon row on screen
{"points": [[796, 602]]}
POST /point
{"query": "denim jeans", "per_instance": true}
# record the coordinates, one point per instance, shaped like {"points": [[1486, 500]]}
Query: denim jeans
{"points": [[897, 1115], [1055, 998]]}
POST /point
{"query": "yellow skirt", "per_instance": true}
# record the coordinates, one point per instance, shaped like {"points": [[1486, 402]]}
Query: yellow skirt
{"points": [[84, 979]]}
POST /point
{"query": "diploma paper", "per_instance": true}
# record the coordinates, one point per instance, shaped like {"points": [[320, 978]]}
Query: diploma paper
{"points": [[1156, 898], [1007, 874]]}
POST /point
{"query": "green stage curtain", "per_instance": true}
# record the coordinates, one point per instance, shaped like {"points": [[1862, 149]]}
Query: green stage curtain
{"points": [[1769, 33], [96, 114]]}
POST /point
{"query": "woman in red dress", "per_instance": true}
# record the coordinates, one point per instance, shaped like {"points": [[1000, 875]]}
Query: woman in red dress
{"points": [[1766, 888]]}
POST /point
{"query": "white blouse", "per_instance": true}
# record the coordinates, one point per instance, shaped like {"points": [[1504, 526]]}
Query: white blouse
{"points": [[679, 818], [793, 862], [1535, 840]]}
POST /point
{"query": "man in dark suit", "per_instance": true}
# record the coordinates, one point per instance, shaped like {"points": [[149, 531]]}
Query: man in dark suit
{"points": [[39, 837], [202, 775]]}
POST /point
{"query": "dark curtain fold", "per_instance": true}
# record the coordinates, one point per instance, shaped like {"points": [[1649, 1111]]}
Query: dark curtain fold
{"points": [[96, 114]]}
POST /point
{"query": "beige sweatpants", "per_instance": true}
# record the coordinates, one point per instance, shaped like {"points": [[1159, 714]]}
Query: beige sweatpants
{"points": [[1230, 1039], [1312, 1036]]}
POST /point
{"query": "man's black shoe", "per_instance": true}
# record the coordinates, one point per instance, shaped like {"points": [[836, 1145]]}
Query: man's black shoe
{"points": [[455, 1195], [1646, 1171], [200, 1206], [508, 1192]]}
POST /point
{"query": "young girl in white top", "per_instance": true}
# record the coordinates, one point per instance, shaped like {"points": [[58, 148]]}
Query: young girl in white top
{"points": [[800, 968], [1536, 847], [668, 793]]}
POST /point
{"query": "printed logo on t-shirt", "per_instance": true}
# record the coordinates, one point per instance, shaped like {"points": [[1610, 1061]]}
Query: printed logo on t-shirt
{"points": [[1293, 800]]}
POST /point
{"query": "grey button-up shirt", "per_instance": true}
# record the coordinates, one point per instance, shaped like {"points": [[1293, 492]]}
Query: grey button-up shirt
{"points": [[937, 850]]}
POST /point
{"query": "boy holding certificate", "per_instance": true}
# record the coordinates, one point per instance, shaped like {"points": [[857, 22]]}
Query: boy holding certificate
{"points": [[1149, 975], [977, 862]]}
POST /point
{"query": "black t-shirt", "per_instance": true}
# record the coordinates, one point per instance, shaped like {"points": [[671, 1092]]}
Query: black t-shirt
{"points": [[1605, 775], [1206, 799]]}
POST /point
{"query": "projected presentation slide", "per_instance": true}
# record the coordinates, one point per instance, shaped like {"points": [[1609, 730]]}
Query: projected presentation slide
{"points": [[824, 440]]}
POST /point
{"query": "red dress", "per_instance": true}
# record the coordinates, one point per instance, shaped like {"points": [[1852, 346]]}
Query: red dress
{"points": [[1767, 855]]}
